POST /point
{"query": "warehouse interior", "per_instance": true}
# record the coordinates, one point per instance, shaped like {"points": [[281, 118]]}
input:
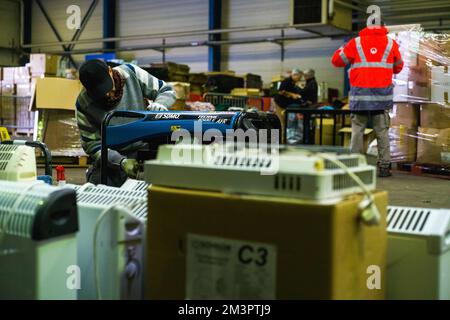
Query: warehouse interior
{"points": [[335, 183]]}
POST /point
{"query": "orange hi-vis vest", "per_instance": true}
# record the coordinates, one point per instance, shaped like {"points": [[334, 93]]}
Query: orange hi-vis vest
{"points": [[374, 58]]}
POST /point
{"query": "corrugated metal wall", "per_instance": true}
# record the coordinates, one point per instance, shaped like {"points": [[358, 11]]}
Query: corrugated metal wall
{"points": [[150, 17], [9, 35], [56, 9], [136, 17], [265, 58]]}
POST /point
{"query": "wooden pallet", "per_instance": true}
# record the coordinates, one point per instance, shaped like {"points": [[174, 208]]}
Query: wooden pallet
{"points": [[441, 171], [66, 161]]}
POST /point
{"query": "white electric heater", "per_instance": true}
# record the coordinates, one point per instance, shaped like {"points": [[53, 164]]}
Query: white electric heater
{"points": [[17, 163], [288, 172], [38, 248], [418, 253], [115, 269]]}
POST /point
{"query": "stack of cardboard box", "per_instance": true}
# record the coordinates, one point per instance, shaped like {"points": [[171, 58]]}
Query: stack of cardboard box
{"points": [[15, 98], [411, 84], [423, 83]]}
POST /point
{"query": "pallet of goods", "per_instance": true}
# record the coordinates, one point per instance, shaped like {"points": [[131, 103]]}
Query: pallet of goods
{"points": [[420, 118]]}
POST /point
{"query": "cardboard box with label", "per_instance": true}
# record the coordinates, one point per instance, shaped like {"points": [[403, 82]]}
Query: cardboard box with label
{"points": [[210, 245]]}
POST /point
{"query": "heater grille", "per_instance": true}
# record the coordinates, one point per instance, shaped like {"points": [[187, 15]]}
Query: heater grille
{"points": [[348, 162], [242, 161], [101, 195], [287, 182], [405, 219], [135, 185], [6, 153], [344, 181], [22, 202]]}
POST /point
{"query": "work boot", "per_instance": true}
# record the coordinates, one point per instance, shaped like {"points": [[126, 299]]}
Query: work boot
{"points": [[384, 172]]}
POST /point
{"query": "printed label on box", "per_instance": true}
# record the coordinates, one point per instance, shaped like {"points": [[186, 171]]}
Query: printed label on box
{"points": [[219, 268]]}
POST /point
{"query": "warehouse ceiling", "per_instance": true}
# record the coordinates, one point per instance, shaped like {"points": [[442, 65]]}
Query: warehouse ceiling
{"points": [[433, 15]]}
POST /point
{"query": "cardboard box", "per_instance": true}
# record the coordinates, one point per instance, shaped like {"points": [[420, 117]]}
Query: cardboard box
{"points": [[60, 132], [403, 143], [431, 145], [440, 85], [182, 90], [346, 134], [55, 93], [8, 74], [24, 89], [209, 245], [7, 88], [22, 75], [405, 114], [43, 64], [327, 132], [245, 92], [435, 116]]}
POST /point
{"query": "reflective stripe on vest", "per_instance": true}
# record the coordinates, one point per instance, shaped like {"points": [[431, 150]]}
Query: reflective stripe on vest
{"points": [[365, 64], [398, 62], [343, 57], [372, 98]]}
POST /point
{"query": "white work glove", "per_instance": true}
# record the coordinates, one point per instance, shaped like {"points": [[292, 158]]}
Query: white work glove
{"points": [[130, 167], [155, 106]]}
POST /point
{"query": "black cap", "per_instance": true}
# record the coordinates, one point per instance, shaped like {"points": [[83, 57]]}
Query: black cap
{"points": [[94, 75]]}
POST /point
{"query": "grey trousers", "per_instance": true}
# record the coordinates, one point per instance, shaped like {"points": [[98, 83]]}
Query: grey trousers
{"points": [[381, 123]]}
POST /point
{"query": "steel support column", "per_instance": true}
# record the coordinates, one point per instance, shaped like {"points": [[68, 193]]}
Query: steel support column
{"points": [[215, 22], [109, 22]]}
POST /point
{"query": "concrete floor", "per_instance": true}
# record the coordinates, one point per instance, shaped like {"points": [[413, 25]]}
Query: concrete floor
{"points": [[404, 189]]}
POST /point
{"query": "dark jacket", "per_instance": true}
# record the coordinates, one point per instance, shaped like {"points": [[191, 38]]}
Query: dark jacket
{"points": [[287, 85], [309, 92]]}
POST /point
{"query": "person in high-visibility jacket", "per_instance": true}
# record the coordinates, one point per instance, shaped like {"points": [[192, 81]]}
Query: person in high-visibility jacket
{"points": [[373, 58]]}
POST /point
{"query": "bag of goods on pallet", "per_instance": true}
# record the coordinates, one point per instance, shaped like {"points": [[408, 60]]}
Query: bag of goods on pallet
{"points": [[253, 81], [223, 82], [169, 71], [200, 106]]}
